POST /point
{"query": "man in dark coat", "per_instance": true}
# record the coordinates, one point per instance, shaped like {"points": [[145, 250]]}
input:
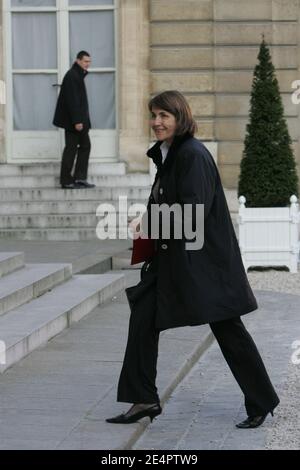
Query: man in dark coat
{"points": [[72, 114]]}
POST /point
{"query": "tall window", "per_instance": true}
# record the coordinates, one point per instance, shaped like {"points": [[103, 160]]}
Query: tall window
{"points": [[46, 36]]}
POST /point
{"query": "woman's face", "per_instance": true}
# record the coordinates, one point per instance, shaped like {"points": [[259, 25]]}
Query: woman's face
{"points": [[163, 124]]}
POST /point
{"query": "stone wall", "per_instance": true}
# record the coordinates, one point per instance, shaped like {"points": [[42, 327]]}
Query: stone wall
{"points": [[208, 48]]}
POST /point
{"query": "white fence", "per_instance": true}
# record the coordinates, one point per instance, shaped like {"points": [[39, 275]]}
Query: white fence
{"points": [[269, 236]]}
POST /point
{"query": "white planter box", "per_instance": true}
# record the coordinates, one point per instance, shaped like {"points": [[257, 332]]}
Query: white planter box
{"points": [[269, 236]]}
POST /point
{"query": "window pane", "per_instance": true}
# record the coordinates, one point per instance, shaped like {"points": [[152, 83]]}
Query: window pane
{"points": [[93, 32], [34, 101], [101, 95], [33, 3], [34, 41], [91, 2]]}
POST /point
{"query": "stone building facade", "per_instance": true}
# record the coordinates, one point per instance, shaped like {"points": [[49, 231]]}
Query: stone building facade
{"points": [[205, 48]]}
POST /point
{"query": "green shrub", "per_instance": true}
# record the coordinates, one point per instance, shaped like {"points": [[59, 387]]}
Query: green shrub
{"points": [[268, 174]]}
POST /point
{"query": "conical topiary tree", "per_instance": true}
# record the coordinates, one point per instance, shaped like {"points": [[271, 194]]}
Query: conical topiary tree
{"points": [[268, 172]]}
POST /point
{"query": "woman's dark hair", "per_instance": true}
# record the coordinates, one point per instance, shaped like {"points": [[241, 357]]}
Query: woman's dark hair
{"points": [[175, 103]]}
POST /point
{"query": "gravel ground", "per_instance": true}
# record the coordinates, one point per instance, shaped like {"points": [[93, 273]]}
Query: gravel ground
{"points": [[275, 280], [285, 431]]}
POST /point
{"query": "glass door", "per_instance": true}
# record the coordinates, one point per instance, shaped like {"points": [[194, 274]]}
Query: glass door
{"points": [[43, 38]]}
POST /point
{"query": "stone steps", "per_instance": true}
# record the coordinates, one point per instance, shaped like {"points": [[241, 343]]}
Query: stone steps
{"points": [[63, 234], [63, 208], [49, 181], [62, 221], [10, 262], [30, 282], [60, 234], [57, 194], [33, 206], [33, 324], [37, 301], [53, 169]]}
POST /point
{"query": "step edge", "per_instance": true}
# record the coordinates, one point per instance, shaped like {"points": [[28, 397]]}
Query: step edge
{"points": [[34, 289], [68, 318]]}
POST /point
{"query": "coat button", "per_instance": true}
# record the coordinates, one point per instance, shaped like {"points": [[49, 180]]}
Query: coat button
{"points": [[164, 246], [161, 190]]}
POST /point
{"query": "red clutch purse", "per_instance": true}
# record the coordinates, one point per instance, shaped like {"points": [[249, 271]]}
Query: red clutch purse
{"points": [[143, 250]]}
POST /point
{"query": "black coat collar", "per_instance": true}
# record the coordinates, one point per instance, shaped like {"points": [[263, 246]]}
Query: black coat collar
{"points": [[83, 73], [155, 153]]}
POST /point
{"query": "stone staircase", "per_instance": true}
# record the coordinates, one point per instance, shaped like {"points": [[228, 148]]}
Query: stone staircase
{"points": [[34, 207], [38, 301]]}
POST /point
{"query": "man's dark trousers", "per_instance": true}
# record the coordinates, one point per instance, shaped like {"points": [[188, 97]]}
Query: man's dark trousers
{"points": [[77, 143]]}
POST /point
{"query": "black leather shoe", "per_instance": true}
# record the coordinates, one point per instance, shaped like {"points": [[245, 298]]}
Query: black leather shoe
{"points": [[152, 411], [84, 184], [253, 421], [69, 186]]}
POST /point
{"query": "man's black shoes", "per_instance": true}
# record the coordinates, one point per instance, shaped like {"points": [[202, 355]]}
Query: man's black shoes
{"points": [[79, 184], [84, 184], [69, 186]]}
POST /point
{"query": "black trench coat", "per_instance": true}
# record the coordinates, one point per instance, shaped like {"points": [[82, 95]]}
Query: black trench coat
{"points": [[72, 104], [210, 284]]}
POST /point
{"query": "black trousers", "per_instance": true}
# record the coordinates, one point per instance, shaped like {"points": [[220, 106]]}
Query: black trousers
{"points": [[77, 144], [138, 375]]}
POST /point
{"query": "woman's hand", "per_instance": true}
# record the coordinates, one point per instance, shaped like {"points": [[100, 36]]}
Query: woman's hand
{"points": [[135, 227]]}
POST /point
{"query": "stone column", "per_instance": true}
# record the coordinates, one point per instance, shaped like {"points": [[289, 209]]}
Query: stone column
{"points": [[134, 83]]}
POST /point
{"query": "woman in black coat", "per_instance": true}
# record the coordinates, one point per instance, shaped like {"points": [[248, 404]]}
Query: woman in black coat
{"points": [[190, 285]]}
